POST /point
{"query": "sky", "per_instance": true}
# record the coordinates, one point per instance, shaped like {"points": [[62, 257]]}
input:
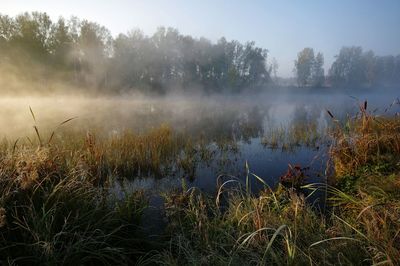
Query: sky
{"points": [[283, 27]]}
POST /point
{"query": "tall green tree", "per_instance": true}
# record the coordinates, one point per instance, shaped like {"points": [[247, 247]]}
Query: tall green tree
{"points": [[348, 67], [61, 43], [318, 74], [304, 65], [33, 35], [158, 63]]}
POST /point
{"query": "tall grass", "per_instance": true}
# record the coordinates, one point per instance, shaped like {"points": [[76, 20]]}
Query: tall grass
{"points": [[56, 207], [51, 213], [289, 137], [237, 227], [278, 227], [366, 158]]}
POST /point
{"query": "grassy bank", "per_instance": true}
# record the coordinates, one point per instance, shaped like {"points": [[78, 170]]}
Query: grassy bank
{"points": [[56, 207], [360, 227]]}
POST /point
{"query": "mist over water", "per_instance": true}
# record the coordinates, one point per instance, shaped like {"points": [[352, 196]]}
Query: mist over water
{"points": [[245, 122], [191, 114]]}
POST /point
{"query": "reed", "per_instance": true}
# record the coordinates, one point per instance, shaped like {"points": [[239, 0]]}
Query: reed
{"points": [[294, 135], [51, 213], [366, 186], [57, 207], [237, 227]]}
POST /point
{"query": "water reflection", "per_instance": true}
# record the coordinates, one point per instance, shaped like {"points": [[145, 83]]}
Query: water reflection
{"points": [[268, 131]]}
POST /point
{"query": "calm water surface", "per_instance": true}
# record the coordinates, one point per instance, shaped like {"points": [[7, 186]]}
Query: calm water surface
{"points": [[234, 128]]}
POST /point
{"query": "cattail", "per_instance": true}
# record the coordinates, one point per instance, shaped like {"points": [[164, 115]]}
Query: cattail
{"points": [[330, 114]]}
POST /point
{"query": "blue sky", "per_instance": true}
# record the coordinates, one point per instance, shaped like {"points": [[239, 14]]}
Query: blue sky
{"points": [[283, 27]]}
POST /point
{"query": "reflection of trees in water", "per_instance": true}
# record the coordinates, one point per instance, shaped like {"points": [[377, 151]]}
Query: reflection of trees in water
{"points": [[210, 121], [223, 124], [301, 129], [305, 114], [249, 124], [217, 133]]}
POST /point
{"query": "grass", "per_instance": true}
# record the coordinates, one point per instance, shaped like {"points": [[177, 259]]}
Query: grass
{"points": [[278, 227], [288, 137], [53, 214], [125, 154], [366, 158], [56, 207]]}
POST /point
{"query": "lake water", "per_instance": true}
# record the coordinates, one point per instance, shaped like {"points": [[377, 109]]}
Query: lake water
{"points": [[236, 129]]}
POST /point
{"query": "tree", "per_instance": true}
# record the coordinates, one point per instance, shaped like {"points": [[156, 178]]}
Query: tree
{"points": [[85, 53], [169, 59], [304, 65], [348, 68], [7, 32], [7, 28], [369, 67], [317, 74], [94, 41], [94, 46], [274, 67], [61, 43], [33, 35], [355, 68]]}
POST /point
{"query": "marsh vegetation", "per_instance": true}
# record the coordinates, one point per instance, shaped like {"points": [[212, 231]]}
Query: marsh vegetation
{"points": [[72, 192]]}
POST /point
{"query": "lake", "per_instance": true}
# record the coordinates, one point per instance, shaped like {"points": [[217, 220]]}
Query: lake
{"points": [[267, 131]]}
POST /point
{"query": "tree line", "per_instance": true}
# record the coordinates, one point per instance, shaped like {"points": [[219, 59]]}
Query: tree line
{"points": [[352, 68], [86, 54]]}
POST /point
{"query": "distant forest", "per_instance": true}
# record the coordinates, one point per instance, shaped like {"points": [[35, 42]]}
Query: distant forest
{"points": [[33, 48], [352, 68]]}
